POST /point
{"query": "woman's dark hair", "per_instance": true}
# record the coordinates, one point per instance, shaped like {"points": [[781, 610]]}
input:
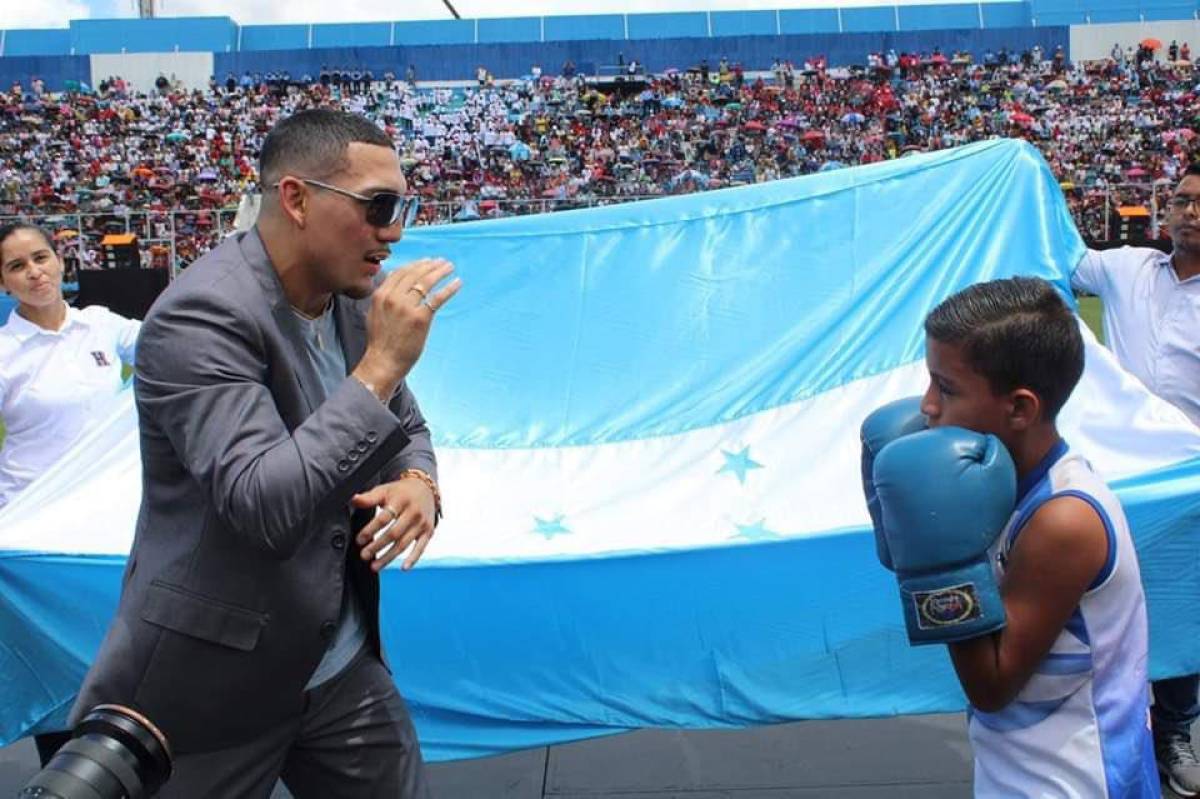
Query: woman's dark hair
{"points": [[9, 229]]}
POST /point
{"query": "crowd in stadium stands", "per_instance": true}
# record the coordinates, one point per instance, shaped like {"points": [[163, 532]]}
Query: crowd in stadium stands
{"points": [[1107, 128]]}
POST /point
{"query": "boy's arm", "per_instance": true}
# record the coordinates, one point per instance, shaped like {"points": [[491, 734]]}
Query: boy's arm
{"points": [[1057, 556]]}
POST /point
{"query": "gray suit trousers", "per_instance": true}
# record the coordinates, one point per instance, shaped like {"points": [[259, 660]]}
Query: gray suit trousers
{"points": [[354, 739]]}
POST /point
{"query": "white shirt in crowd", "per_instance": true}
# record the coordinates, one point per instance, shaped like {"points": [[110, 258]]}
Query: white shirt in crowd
{"points": [[54, 384], [1151, 319]]}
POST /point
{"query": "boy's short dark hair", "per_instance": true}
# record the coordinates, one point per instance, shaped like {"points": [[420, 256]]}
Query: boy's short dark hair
{"points": [[1018, 333], [1193, 169]]}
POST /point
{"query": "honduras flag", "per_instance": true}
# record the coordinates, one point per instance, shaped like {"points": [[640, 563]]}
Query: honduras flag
{"points": [[647, 420]]}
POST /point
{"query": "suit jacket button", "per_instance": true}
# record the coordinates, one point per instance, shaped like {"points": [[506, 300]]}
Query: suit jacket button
{"points": [[372, 436], [327, 630], [352, 456], [343, 466], [339, 541], [362, 447]]}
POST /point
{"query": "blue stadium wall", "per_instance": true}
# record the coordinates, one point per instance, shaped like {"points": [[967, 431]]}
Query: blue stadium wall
{"points": [[510, 60], [451, 49]]}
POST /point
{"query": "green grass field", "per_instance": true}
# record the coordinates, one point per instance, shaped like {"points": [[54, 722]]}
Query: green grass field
{"points": [[1089, 309]]}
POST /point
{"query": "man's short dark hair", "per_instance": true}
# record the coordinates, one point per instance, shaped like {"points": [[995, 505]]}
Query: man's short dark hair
{"points": [[313, 144], [1017, 333], [1193, 169]]}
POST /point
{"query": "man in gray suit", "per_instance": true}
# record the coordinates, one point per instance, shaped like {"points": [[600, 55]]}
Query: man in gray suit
{"points": [[284, 464]]}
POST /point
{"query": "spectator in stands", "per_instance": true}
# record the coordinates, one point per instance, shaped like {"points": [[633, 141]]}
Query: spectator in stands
{"points": [[1185, 53], [1173, 51], [60, 369]]}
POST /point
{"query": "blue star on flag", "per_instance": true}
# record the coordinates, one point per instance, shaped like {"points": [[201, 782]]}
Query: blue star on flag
{"points": [[550, 527], [739, 463], [755, 532]]}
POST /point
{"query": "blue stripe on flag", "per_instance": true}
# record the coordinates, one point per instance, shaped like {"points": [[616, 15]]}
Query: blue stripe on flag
{"points": [[655, 318]]}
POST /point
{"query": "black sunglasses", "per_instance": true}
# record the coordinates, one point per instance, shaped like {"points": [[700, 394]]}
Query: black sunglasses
{"points": [[384, 208]]}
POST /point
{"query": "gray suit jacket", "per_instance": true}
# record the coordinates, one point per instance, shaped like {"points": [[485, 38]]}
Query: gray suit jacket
{"points": [[244, 538]]}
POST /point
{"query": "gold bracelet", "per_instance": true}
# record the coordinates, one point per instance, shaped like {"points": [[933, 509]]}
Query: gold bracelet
{"points": [[424, 477]]}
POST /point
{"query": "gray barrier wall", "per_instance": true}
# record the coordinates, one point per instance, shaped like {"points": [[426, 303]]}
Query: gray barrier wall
{"points": [[142, 69], [1091, 42]]}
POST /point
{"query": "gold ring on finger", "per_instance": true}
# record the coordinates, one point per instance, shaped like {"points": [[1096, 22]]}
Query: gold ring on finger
{"points": [[395, 514], [418, 290]]}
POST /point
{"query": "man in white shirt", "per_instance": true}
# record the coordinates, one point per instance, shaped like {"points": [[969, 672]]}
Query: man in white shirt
{"points": [[1151, 318]]}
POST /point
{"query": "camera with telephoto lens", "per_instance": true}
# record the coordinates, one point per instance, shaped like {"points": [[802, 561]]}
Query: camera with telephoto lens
{"points": [[114, 753]]}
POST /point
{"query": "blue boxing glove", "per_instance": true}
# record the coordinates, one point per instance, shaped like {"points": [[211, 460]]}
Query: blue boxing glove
{"points": [[885, 424], [944, 497]]}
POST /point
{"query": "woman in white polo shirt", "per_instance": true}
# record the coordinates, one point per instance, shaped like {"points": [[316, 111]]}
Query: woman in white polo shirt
{"points": [[59, 369]]}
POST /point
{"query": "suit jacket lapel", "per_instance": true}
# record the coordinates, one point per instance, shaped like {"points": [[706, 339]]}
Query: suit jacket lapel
{"points": [[285, 318]]}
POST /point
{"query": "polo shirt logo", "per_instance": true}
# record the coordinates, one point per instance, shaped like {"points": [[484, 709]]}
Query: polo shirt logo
{"points": [[101, 358]]}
